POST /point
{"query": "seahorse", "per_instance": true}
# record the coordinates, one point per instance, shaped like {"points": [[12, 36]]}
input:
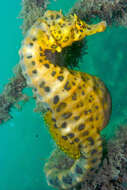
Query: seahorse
{"points": [[79, 104]]}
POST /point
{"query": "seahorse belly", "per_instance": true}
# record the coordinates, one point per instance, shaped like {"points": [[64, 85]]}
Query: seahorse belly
{"points": [[79, 103]]}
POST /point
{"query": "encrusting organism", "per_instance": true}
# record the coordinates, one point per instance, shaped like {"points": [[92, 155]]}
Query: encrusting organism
{"points": [[31, 11], [12, 94], [113, 11], [79, 104]]}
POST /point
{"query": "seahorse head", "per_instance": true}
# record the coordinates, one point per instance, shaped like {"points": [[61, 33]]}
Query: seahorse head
{"points": [[66, 30]]}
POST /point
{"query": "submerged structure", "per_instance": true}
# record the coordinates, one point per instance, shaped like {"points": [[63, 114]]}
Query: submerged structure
{"points": [[79, 104]]}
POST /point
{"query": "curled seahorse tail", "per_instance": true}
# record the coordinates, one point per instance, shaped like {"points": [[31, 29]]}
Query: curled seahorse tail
{"points": [[64, 178], [89, 161]]}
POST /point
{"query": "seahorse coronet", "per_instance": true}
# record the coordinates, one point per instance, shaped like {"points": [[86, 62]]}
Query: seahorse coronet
{"points": [[79, 104]]}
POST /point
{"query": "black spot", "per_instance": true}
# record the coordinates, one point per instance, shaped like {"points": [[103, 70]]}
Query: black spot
{"points": [[47, 89], [81, 30], [53, 73], [81, 127], [60, 78], [57, 16], [34, 39], [85, 133], [46, 65], [79, 87], [73, 83], [34, 71], [90, 139], [74, 96], [56, 99], [86, 112], [55, 126], [71, 135], [67, 179], [78, 170], [40, 60], [61, 71], [64, 137], [33, 62], [96, 118], [96, 107], [94, 151], [64, 124], [62, 25], [51, 17], [54, 181], [40, 48], [83, 93], [83, 78], [53, 119], [76, 139], [41, 85], [41, 54], [29, 57], [61, 106], [67, 115], [67, 86], [31, 44], [76, 118], [88, 28]]}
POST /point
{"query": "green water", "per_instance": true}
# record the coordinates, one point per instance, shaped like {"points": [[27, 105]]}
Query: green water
{"points": [[24, 141]]}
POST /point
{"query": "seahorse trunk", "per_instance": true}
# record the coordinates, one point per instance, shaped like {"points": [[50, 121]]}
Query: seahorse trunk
{"points": [[79, 103]]}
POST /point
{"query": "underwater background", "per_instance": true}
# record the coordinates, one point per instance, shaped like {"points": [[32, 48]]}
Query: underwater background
{"points": [[24, 140]]}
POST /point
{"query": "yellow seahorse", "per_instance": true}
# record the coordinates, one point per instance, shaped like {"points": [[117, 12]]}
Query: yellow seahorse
{"points": [[79, 103]]}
